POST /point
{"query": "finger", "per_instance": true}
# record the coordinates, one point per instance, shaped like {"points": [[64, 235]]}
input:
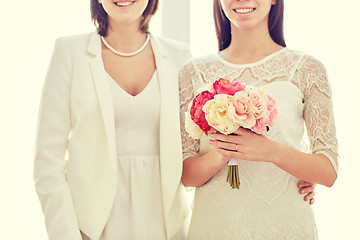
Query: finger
{"points": [[223, 145], [242, 131], [306, 189], [309, 196], [225, 138], [302, 184], [231, 154], [311, 202], [212, 130]]}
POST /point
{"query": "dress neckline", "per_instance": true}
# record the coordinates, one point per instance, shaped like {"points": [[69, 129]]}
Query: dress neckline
{"points": [[117, 86], [253, 63]]}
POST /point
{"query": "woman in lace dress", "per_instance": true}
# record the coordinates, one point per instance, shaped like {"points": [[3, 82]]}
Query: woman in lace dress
{"points": [[267, 205]]}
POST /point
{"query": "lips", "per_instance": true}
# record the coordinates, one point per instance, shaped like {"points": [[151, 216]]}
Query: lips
{"points": [[123, 3], [244, 10]]}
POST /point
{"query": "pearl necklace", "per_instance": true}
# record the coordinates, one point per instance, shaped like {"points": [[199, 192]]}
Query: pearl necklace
{"points": [[126, 54]]}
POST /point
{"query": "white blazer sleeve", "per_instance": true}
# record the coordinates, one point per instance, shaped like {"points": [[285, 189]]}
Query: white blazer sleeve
{"points": [[54, 127]]}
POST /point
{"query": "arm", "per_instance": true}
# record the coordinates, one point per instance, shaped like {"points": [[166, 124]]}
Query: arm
{"points": [[320, 165], [196, 169], [313, 168], [199, 169], [319, 121], [53, 130]]}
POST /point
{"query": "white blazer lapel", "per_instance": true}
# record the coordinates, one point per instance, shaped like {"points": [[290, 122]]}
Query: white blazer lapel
{"points": [[170, 135], [103, 93]]}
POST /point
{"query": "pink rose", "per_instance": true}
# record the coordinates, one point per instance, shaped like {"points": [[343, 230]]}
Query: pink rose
{"points": [[242, 112], [196, 112], [271, 106], [269, 118], [258, 102], [260, 125], [270, 102], [224, 86], [266, 121], [272, 116]]}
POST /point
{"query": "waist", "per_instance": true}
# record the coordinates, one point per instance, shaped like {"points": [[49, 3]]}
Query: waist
{"points": [[138, 157], [140, 147]]}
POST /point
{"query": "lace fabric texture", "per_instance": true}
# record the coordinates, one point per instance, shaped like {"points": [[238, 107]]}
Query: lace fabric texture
{"points": [[267, 205]]}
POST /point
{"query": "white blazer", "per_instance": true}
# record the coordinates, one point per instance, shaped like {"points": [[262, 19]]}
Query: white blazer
{"points": [[75, 156]]}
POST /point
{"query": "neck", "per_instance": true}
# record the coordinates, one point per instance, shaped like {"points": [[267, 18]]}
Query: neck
{"points": [[125, 37], [250, 44]]}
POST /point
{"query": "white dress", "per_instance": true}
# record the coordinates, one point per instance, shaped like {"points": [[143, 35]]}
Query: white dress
{"points": [[267, 205], [137, 212]]}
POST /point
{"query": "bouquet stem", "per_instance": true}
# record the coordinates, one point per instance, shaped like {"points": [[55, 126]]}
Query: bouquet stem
{"points": [[233, 174]]}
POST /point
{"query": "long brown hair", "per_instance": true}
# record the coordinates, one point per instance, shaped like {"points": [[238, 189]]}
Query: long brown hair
{"points": [[223, 28], [100, 17]]}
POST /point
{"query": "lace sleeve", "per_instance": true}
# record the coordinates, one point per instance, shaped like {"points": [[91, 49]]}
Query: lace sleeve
{"points": [[318, 109], [187, 90]]}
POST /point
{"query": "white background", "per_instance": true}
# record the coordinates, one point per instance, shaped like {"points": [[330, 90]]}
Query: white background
{"points": [[326, 29]]}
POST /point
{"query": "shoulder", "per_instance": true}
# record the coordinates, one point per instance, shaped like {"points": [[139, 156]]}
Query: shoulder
{"points": [[74, 43], [201, 62], [311, 73], [168, 43], [75, 39], [307, 61], [193, 69], [207, 59], [70, 49], [176, 52]]}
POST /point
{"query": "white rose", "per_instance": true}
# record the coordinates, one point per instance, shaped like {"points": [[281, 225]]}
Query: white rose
{"points": [[192, 128]]}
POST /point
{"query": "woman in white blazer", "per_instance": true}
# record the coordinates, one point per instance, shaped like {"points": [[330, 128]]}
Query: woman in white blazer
{"points": [[108, 156]]}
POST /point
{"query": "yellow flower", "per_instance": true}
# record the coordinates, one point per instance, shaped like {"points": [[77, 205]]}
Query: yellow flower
{"points": [[217, 114]]}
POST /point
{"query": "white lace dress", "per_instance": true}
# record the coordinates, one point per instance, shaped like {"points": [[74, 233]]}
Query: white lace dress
{"points": [[267, 205]]}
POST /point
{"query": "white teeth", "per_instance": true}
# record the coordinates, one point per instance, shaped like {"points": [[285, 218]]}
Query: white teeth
{"points": [[123, 4], [244, 10]]}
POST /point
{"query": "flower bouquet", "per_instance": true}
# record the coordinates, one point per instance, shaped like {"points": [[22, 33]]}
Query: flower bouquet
{"points": [[225, 106]]}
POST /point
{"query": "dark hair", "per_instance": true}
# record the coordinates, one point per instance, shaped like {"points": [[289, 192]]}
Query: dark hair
{"points": [[223, 28], [100, 17]]}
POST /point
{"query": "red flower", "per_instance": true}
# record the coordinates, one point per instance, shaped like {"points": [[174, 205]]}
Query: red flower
{"points": [[196, 112], [224, 86]]}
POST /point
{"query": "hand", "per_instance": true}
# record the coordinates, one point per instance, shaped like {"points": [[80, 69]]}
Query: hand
{"points": [[308, 189], [244, 144]]}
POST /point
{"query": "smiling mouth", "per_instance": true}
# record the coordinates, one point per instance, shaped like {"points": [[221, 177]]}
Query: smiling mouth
{"points": [[124, 4], [244, 10]]}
